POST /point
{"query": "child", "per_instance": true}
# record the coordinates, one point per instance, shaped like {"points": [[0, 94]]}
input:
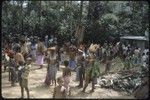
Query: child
{"points": [[13, 74], [59, 91], [66, 77], [20, 71], [24, 76]]}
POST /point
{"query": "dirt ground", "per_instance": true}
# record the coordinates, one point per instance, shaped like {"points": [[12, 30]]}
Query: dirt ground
{"points": [[39, 90]]}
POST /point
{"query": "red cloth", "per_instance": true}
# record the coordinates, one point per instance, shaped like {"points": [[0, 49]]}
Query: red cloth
{"points": [[10, 53]]}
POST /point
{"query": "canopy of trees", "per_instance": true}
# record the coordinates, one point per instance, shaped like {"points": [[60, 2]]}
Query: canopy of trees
{"points": [[93, 21]]}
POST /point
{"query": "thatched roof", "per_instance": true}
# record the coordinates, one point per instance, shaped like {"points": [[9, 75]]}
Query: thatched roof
{"points": [[134, 38]]}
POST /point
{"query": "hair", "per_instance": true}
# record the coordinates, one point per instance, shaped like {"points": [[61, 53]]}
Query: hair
{"points": [[147, 53], [18, 49], [59, 80], [66, 63], [111, 52], [21, 63], [143, 54], [22, 41], [66, 72]]}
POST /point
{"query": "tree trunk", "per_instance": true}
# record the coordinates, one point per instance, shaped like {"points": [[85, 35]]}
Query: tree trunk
{"points": [[22, 14], [64, 4], [40, 21], [79, 32]]}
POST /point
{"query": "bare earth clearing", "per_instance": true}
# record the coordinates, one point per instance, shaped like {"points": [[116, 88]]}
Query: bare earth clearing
{"points": [[39, 90]]}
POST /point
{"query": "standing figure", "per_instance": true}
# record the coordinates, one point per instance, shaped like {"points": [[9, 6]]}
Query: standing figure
{"points": [[92, 70], [136, 56], [89, 64], [127, 63], [52, 65], [13, 73], [40, 54], [60, 90], [19, 59], [33, 50], [109, 59], [24, 76], [66, 77], [72, 54], [81, 67], [20, 71]]}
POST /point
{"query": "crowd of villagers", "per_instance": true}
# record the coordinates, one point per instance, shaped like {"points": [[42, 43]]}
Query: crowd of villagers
{"points": [[85, 60]]}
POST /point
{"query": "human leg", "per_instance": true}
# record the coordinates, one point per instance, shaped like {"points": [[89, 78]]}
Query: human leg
{"points": [[27, 90], [22, 92]]}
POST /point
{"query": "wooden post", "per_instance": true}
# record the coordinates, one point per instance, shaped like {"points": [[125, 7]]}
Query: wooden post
{"points": [[22, 14], [40, 20]]}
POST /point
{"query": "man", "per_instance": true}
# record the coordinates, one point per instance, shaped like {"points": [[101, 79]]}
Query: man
{"points": [[81, 67], [92, 72], [109, 59]]}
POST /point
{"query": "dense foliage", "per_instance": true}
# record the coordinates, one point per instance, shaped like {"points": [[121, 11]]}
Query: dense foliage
{"points": [[100, 19]]}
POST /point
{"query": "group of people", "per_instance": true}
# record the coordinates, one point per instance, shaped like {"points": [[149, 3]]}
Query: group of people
{"points": [[16, 58], [85, 60]]}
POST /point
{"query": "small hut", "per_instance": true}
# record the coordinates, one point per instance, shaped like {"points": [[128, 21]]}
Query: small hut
{"points": [[139, 41]]}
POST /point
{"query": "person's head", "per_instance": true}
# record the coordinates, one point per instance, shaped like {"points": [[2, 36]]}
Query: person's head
{"points": [[67, 72], [18, 49], [22, 40], [143, 54], [66, 63], [59, 80], [29, 60], [21, 63], [147, 53], [33, 42], [111, 52]]}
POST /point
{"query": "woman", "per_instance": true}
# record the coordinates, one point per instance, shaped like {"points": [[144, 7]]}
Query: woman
{"points": [[40, 54], [33, 50], [52, 67]]}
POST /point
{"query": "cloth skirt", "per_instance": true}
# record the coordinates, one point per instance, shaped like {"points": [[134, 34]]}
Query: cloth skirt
{"points": [[40, 59], [33, 54], [72, 64], [52, 71]]}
